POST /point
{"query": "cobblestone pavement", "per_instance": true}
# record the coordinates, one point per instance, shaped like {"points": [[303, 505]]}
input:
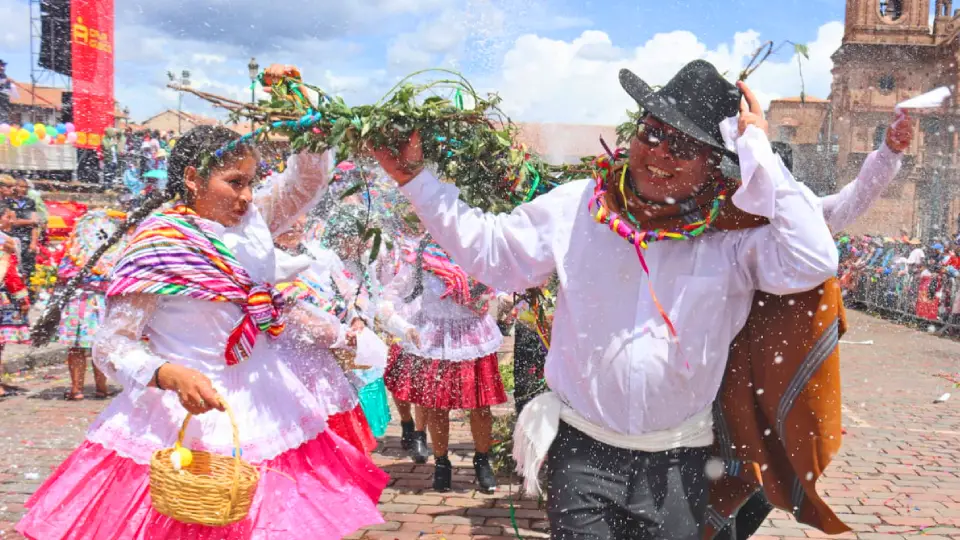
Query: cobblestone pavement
{"points": [[898, 475]]}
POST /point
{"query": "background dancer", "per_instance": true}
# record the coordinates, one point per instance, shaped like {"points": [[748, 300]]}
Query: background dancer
{"points": [[316, 342], [455, 364], [83, 314]]}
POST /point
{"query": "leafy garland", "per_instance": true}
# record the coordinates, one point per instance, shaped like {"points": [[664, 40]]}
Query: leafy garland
{"points": [[466, 136]]}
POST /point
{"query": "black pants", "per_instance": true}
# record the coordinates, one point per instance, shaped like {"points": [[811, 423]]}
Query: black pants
{"points": [[600, 492], [750, 517], [529, 356]]}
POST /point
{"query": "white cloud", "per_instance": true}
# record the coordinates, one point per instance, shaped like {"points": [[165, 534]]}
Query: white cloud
{"points": [[442, 40], [15, 30], [576, 81]]}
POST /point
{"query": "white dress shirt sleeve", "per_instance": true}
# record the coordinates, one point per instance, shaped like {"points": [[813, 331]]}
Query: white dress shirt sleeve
{"points": [[796, 251], [300, 186], [510, 252], [841, 209]]}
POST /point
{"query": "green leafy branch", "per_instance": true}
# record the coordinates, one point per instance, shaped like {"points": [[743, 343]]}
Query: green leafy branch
{"points": [[766, 50], [465, 135]]}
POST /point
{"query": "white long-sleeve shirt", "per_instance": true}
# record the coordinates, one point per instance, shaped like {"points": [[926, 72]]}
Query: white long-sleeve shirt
{"points": [[611, 357], [841, 209]]}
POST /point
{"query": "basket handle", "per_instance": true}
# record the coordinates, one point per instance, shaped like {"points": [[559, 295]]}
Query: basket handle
{"points": [[234, 491], [233, 425]]}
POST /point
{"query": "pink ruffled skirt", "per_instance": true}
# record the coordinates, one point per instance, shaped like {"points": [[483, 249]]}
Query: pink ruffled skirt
{"points": [[98, 494]]}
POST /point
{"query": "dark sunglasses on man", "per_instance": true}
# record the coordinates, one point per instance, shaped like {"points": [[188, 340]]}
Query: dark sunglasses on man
{"points": [[680, 146]]}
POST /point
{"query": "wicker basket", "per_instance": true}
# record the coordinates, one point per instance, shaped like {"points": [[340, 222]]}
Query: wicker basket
{"points": [[213, 490]]}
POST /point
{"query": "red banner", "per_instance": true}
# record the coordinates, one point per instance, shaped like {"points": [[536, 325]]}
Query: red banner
{"points": [[91, 22]]}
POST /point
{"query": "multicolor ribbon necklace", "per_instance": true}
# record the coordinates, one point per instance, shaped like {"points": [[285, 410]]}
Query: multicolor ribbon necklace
{"points": [[641, 238]]}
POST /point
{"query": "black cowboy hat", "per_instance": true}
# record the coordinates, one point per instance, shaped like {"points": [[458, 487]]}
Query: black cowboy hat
{"points": [[694, 102]]}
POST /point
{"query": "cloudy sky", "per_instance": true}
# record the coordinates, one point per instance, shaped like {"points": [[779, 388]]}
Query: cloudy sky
{"points": [[550, 60]]}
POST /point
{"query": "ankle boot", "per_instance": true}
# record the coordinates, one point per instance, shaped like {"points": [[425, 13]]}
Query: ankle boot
{"points": [[442, 474], [484, 471], [419, 450], [406, 438]]}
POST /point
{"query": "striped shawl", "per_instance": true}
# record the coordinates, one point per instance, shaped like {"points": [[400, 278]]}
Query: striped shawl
{"points": [[177, 253]]}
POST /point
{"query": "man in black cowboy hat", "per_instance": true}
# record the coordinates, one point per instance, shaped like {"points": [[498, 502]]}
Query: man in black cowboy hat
{"points": [[639, 347]]}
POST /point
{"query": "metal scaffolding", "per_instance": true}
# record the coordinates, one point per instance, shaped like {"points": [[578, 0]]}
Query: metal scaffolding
{"points": [[40, 76]]}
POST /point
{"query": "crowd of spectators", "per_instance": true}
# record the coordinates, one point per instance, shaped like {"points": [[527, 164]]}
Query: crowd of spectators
{"points": [[903, 277]]}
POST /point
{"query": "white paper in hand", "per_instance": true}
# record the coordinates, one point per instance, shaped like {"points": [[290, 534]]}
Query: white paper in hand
{"points": [[931, 100], [371, 350]]}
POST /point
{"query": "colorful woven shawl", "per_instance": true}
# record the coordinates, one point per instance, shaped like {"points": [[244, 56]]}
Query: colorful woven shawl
{"points": [[177, 253]]}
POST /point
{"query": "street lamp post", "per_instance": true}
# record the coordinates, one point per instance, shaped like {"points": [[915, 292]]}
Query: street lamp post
{"points": [[184, 81], [254, 69]]}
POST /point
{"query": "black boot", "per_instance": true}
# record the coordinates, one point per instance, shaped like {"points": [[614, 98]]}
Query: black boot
{"points": [[485, 476], [442, 474], [406, 438], [419, 450]]}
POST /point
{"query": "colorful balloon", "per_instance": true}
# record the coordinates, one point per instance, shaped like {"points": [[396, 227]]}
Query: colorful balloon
{"points": [[4, 128], [61, 138], [72, 137], [29, 127], [70, 127], [61, 128], [40, 130], [3, 139]]}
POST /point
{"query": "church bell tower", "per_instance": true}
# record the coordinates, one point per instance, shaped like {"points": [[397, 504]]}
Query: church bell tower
{"points": [[903, 22]]}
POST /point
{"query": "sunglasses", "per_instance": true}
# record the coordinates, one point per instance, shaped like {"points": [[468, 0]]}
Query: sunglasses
{"points": [[681, 146]]}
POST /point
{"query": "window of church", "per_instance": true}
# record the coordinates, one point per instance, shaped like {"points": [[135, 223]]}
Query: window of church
{"points": [[887, 84], [891, 10]]}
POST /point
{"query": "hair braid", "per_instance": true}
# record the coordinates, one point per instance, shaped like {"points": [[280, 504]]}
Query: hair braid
{"points": [[191, 151]]}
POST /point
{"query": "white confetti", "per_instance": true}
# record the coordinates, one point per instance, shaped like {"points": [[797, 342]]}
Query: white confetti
{"points": [[714, 469]]}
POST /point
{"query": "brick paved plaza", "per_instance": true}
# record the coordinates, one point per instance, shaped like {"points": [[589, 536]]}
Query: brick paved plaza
{"points": [[898, 475]]}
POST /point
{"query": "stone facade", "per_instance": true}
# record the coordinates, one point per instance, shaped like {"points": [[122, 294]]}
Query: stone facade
{"points": [[890, 53]]}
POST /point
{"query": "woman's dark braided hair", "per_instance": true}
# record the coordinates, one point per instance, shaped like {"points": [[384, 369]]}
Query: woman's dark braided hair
{"points": [[197, 148], [418, 269]]}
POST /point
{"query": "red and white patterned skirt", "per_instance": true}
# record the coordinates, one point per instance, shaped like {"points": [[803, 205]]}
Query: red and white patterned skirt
{"points": [[443, 384]]}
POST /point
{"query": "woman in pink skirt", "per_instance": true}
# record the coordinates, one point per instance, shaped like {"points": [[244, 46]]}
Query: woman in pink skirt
{"points": [[454, 366], [191, 320]]}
